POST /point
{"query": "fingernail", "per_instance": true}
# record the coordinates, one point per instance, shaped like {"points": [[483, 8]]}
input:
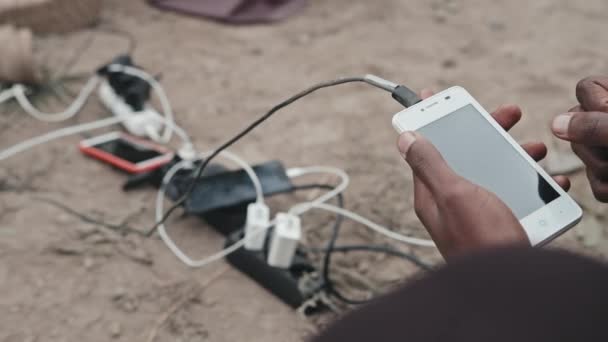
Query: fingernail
{"points": [[560, 125], [405, 142]]}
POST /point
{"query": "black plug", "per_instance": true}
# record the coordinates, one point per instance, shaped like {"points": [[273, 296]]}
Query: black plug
{"points": [[405, 96], [134, 90]]}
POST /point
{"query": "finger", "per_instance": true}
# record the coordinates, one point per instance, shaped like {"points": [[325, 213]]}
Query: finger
{"points": [[584, 154], [426, 93], [592, 93], [594, 163], [589, 128], [536, 150], [426, 162], [599, 188], [563, 182], [424, 204], [507, 116]]}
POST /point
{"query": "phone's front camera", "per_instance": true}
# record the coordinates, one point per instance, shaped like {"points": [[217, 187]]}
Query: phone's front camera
{"points": [[448, 97]]}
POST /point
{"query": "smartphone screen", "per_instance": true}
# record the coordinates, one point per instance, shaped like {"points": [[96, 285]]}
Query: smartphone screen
{"points": [[479, 153], [127, 150]]}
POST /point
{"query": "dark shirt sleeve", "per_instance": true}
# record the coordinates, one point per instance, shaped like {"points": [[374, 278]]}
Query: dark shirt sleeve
{"points": [[513, 294]]}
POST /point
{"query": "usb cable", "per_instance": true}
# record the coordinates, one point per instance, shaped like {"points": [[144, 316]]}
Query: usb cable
{"points": [[400, 93]]}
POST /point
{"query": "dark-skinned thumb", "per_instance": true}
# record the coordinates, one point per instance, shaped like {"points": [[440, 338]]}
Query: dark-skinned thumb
{"points": [[426, 161]]}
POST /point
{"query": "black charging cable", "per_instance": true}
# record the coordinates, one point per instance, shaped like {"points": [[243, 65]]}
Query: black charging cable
{"points": [[331, 248], [401, 94]]}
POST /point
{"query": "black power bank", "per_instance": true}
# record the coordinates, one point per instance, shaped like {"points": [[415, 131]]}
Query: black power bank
{"points": [[226, 189]]}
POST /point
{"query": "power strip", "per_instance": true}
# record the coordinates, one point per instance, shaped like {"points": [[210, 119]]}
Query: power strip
{"points": [[146, 123], [294, 286]]}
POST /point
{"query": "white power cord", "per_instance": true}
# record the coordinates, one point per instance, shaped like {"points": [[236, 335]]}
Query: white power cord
{"points": [[373, 226], [7, 94], [298, 209], [160, 209], [18, 91], [294, 172], [320, 204], [60, 133], [66, 131], [162, 97], [380, 82], [302, 171]]}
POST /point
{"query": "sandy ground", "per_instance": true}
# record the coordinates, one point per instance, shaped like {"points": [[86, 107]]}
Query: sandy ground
{"points": [[65, 280]]}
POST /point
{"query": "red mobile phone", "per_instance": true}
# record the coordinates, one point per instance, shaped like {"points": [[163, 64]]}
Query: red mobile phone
{"points": [[126, 152]]}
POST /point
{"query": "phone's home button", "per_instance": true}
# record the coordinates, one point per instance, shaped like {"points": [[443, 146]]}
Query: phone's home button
{"points": [[542, 223]]}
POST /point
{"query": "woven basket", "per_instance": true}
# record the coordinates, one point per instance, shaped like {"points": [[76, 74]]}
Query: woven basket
{"points": [[50, 16]]}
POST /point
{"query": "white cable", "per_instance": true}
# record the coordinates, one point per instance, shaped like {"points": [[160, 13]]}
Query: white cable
{"points": [[294, 172], [162, 97], [381, 82], [181, 133], [298, 209], [18, 91], [7, 94], [160, 210], [373, 226], [60, 133], [302, 171], [320, 204], [63, 132]]}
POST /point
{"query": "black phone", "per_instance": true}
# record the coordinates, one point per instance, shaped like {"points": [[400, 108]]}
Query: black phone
{"points": [[224, 189]]}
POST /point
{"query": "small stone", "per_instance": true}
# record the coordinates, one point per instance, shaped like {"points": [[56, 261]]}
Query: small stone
{"points": [[256, 51], [115, 330], [448, 64], [88, 263], [86, 230], [363, 266], [439, 19], [132, 247], [39, 282], [303, 39], [63, 219], [67, 248], [497, 26], [125, 301], [110, 235], [119, 292], [98, 239], [129, 306], [209, 302]]}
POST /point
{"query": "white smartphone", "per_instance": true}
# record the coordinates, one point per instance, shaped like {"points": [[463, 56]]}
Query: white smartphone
{"points": [[480, 150]]}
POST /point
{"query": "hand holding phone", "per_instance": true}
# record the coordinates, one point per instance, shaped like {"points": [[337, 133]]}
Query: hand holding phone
{"points": [[473, 149], [460, 216]]}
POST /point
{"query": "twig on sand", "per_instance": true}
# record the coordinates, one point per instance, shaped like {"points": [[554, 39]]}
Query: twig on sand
{"points": [[187, 297], [121, 228]]}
